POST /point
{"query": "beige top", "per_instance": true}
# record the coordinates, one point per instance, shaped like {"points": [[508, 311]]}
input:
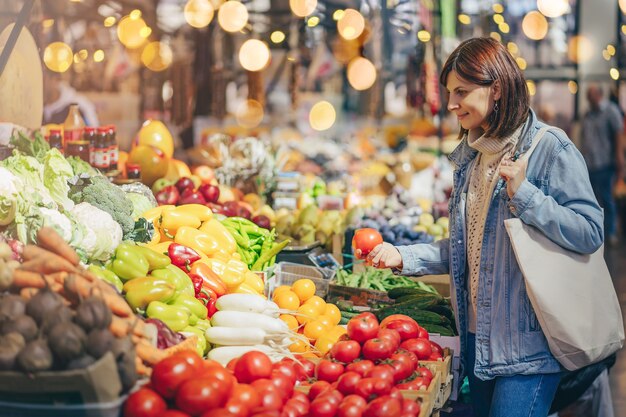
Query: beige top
{"points": [[483, 180]]}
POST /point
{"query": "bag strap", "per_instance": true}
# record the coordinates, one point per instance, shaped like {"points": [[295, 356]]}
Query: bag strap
{"points": [[536, 141]]}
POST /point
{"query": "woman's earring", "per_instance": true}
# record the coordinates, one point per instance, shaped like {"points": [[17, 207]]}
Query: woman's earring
{"points": [[495, 107]]}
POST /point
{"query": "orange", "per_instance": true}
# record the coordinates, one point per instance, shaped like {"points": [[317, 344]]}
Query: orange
{"points": [[323, 345], [318, 303], [287, 300], [335, 333], [333, 313], [281, 288], [315, 329], [291, 321], [326, 321], [299, 346], [306, 313], [304, 289]]}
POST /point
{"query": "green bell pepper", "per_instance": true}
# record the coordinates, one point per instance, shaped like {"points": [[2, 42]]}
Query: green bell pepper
{"points": [[176, 318], [191, 303], [155, 259], [142, 291], [129, 262], [203, 324], [183, 283], [107, 276], [202, 346]]}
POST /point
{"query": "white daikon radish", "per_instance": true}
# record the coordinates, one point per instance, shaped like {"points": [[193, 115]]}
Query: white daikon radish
{"points": [[242, 336], [249, 303], [225, 354], [240, 319]]}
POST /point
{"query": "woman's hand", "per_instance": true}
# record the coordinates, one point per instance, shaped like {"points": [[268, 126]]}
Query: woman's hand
{"points": [[384, 255], [514, 173]]}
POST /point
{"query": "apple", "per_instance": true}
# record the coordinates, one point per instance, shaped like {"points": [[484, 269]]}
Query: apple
{"points": [[168, 195], [193, 197], [262, 221], [160, 184], [231, 208], [183, 183], [216, 208], [243, 211], [204, 172], [210, 192]]}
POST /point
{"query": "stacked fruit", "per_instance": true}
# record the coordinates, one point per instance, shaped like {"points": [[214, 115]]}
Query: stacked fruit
{"points": [[377, 361], [317, 320]]}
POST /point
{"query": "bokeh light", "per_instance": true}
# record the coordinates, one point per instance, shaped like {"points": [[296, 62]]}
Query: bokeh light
{"points": [[351, 24], [498, 18], [198, 13], [513, 48], [532, 88], [572, 86], [535, 25], [129, 32], [553, 8], [58, 56], [338, 14], [498, 8], [465, 19], [249, 114], [277, 36], [313, 21], [109, 21], [423, 36], [157, 56], [580, 49], [254, 55], [361, 73], [614, 73], [98, 56], [302, 8], [322, 116], [232, 16], [521, 63]]}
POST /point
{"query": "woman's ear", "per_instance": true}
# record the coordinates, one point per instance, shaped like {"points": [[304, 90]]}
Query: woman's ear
{"points": [[497, 91]]}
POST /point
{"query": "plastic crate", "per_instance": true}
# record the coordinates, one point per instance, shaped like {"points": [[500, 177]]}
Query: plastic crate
{"points": [[286, 273], [109, 409]]}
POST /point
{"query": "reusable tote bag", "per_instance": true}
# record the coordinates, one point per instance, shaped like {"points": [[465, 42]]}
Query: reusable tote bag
{"points": [[572, 294]]}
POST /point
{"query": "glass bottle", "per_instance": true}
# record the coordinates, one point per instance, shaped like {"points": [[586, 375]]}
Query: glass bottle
{"points": [[56, 140], [89, 135], [102, 149], [113, 149], [73, 125]]}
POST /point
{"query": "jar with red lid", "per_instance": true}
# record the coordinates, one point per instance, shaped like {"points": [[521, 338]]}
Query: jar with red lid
{"points": [[79, 148], [133, 171]]}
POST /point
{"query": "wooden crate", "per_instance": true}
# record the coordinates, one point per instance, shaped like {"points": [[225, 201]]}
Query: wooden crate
{"points": [[428, 395]]}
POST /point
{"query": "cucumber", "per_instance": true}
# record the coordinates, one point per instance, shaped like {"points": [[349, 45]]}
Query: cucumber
{"points": [[443, 331], [344, 320], [396, 293], [349, 314], [419, 298], [344, 305], [442, 310], [414, 303]]}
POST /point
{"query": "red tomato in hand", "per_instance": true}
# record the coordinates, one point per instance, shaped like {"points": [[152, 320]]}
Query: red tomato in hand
{"points": [[377, 349], [144, 403], [252, 366], [366, 240], [361, 367], [345, 351], [421, 347], [170, 373], [328, 371], [200, 394], [363, 327]]}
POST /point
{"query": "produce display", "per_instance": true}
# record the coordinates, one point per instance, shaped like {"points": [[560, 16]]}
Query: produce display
{"points": [[377, 279]]}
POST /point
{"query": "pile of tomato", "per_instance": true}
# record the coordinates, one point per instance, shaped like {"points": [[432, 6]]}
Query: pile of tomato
{"points": [[370, 368], [363, 375]]}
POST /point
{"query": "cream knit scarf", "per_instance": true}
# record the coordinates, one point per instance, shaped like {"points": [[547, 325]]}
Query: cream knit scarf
{"points": [[483, 180]]}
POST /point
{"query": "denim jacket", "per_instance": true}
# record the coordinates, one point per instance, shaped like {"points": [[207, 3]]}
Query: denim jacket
{"points": [[556, 197]]}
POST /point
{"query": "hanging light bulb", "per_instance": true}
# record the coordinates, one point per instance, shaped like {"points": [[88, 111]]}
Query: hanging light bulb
{"points": [[232, 16], [254, 55], [198, 13]]}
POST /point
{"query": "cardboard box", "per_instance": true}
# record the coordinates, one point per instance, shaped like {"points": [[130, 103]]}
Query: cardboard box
{"points": [[99, 383]]}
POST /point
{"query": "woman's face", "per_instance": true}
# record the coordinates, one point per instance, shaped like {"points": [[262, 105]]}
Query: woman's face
{"points": [[471, 103]]}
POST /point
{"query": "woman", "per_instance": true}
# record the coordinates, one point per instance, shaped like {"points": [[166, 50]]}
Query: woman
{"points": [[505, 354]]}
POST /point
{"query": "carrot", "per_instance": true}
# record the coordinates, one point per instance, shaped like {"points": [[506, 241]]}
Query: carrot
{"points": [[49, 239], [28, 292], [189, 343], [122, 327], [142, 369], [28, 279], [77, 286], [47, 263], [150, 354]]}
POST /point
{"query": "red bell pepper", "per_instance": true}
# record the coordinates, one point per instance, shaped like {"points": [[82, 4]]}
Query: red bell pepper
{"points": [[182, 256], [211, 307], [210, 279], [197, 283]]}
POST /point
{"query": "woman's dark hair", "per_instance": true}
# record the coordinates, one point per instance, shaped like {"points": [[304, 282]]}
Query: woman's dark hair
{"points": [[483, 61]]}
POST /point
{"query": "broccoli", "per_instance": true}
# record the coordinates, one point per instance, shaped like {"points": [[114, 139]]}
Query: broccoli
{"points": [[99, 192]]}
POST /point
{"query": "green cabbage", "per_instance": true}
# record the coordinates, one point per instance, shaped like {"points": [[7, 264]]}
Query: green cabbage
{"points": [[56, 172]]}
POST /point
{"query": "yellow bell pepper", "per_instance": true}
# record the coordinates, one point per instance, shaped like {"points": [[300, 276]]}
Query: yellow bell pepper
{"points": [[153, 214], [232, 273], [216, 229], [201, 242], [254, 281], [160, 247], [245, 289], [202, 213], [172, 220]]}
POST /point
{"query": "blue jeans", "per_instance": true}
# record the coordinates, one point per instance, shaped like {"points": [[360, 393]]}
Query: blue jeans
{"points": [[602, 182], [512, 396]]}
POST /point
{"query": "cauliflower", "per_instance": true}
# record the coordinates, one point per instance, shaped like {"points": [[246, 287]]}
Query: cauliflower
{"points": [[9, 186], [98, 223]]}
